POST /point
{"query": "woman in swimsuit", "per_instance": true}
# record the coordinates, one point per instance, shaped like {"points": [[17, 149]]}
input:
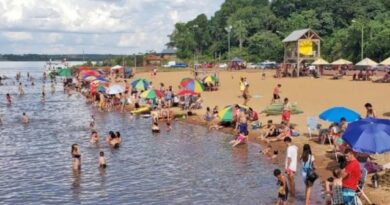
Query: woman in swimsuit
{"points": [[76, 155]]}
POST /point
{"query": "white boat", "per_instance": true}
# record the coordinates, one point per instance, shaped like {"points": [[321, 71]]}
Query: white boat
{"points": [[51, 66]]}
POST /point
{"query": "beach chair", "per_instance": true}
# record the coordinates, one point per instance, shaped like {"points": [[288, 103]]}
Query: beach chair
{"points": [[312, 125]]}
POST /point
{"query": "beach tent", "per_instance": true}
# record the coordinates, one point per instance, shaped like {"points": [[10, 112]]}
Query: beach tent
{"points": [[386, 61], [341, 62], [236, 60], [320, 61], [367, 62], [277, 109]]}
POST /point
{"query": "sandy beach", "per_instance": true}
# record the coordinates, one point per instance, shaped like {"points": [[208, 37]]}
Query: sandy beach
{"points": [[311, 95]]}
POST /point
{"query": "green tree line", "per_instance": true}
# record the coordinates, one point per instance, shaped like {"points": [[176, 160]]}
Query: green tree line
{"points": [[259, 26]]}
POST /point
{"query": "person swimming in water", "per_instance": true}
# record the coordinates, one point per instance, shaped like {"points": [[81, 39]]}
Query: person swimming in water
{"points": [[94, 137], [102, 160], [25, 119], [113, 140], [155, 128], [76, 155]]}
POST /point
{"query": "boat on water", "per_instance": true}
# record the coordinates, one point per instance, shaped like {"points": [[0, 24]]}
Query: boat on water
{"points": [[55, 66]]}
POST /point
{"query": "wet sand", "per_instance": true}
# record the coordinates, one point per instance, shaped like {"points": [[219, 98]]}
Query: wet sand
{"points": [[312, 95]]}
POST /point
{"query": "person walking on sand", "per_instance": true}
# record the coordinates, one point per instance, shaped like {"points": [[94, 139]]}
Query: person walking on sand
{"points": [[369, 110], [307, 161], [25, 119], [276, 94], [242, 85], [246, 95], [291, 164], [286, 112]]}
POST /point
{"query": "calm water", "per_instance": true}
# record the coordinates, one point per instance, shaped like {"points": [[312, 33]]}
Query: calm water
{"points": [[188, 165]]}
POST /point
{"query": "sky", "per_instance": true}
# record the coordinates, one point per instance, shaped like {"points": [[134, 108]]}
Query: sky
{"points": [[93, 26]]}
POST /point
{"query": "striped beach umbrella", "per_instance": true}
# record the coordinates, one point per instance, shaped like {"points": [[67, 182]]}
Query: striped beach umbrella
{"points": [[89, 78], [151, 94], [210, 79], [185, 81], [227, 114], [140, 84], [193, 85], [186, 92], [90, 72]]}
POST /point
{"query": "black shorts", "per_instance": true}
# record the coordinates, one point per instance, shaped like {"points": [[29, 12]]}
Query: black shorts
{"points": [[283, 197], [276, 97]]}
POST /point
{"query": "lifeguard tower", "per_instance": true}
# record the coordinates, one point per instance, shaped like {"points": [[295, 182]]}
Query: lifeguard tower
{"points": [[300, 46]]}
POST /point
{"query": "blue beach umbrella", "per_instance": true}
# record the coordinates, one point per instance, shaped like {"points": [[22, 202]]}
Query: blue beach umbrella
{"points": [[334, 114], [369, 135]]}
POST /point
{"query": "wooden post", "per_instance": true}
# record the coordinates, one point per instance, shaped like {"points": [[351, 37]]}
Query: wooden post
{"points": [[297, 60]]}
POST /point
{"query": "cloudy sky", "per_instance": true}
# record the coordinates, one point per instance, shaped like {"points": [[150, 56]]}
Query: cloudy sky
{"points": [[95, 26]]}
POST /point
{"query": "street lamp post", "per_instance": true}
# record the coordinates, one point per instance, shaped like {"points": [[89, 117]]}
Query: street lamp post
{"points": [[196, 45], [229, 29], [362, 39]]}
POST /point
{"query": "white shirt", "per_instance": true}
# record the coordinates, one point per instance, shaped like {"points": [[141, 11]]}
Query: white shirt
{"points": [[292, 153]]}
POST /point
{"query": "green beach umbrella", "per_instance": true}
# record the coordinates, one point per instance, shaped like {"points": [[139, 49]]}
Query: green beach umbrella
{"points": [[151, 94], [210, 79], [226, 115], [140, 84], [277, 109], [65, 72]]}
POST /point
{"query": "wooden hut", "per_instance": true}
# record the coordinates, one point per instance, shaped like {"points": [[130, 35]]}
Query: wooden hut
{"points": [[300, 46]]}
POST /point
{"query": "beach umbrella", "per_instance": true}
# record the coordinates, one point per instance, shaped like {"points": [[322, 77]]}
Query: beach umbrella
{"points": [[65, 72], [117, 67], [101, 89], [320, 61], [334, 114], [187, 92], [386, 61], [151, 94], [115, 89], [140, 84], [90, 72], [341, 62], [367, 62], [277, 109], [101, 79], [84, 68], [226, 114], [89, 78], [368, 135], [210, 79], [193, 85]]}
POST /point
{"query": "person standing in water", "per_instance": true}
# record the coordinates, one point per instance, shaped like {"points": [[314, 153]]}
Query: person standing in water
{"points": [[291, 164], [53, 88], [9, 99], [102, 160], [20, 88], [43, 97], [25, 119], [76, 155]]}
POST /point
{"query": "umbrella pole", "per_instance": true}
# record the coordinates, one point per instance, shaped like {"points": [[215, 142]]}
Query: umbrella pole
{"points": [[365, 196]]}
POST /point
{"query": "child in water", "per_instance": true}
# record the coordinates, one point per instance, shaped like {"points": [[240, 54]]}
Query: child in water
{"points": [[94, 137], [102, 160], [9, 99], [155, 128], [241, 139], [25, 118], [283, 188]]}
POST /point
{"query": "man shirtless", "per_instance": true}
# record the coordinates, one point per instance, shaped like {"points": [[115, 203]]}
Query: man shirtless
{"points": [[25, 118]]}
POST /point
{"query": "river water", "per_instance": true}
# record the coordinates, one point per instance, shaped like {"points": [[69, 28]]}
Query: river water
{"points": [[188, 165]]}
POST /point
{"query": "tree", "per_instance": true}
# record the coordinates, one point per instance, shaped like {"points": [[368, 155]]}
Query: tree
{"points": [[265, 46]]}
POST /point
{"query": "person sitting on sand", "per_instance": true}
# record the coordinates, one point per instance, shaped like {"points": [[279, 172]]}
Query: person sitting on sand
{"points": [[284, 132], [94, 137], [208, 115], [269, 130], [253, 115], [102, 160], [215, 111], [155, 128], [25, 119], [241, 139]]}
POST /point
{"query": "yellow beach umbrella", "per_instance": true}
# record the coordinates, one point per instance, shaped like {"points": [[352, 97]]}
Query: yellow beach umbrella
{"points": [[341, 62], [320, 61], [386, 61], [367, 62]]}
